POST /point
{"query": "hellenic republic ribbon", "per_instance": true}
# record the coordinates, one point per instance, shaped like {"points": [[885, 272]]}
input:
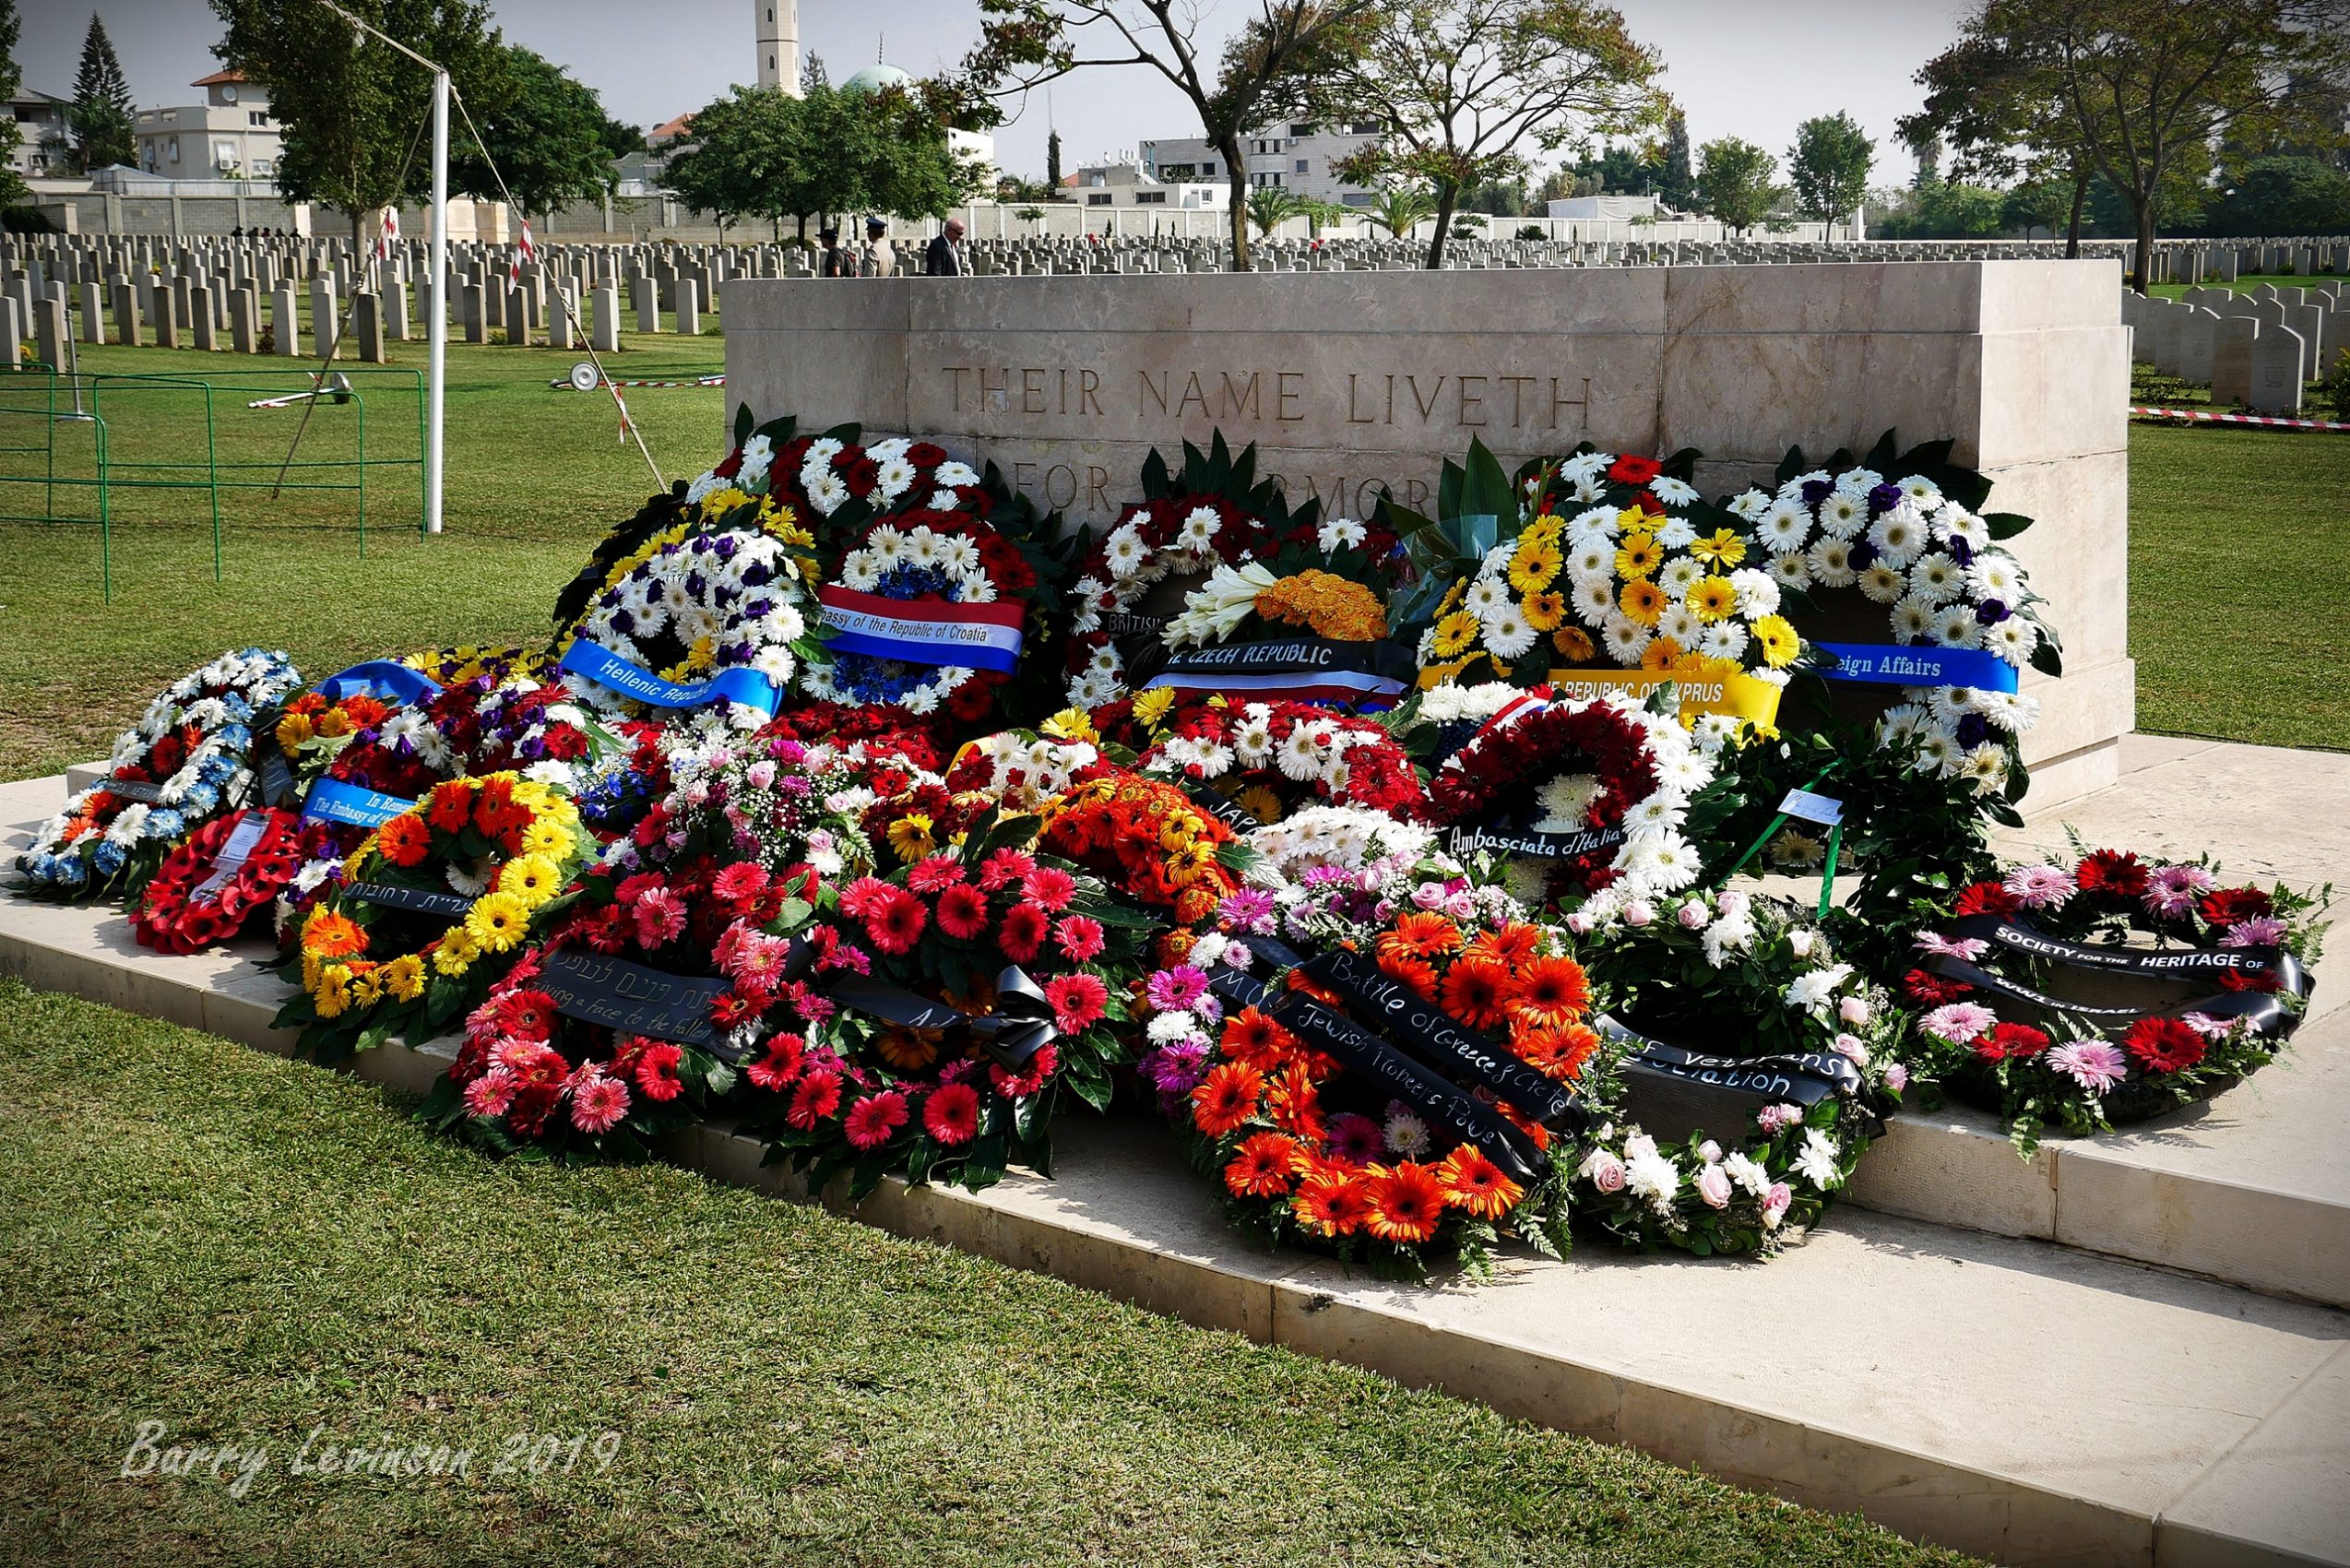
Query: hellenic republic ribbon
{"points": [[609, 669], [977, 636]]}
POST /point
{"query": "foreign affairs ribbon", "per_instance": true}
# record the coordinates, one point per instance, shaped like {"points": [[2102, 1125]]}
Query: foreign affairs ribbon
{"points": [[1887, 664], [1012, 1035], [607, 668], [934, 632]]}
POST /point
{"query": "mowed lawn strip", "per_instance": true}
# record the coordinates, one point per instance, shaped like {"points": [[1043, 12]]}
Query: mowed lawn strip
{"points": [[2234, 536], [247, 1248]]}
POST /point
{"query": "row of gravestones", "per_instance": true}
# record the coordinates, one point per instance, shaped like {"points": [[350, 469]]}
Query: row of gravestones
{"points": [[2257, 349]]}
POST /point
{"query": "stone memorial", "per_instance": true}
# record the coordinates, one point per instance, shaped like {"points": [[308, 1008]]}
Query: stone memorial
{"points": [[285, 325], [1356, 384], [2273, 371], [2232, 360]]}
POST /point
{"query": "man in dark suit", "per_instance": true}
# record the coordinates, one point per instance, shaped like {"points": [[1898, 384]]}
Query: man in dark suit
{"points": [[944, 258]]}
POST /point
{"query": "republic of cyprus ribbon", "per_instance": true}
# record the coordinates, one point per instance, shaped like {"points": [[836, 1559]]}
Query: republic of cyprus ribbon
{"points": [[1887, 664], [607, 669], [976, 637], [1018, 1029], [1303, 669], [1738, 696]]}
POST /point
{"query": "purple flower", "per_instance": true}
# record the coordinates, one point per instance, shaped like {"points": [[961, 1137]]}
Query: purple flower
{"points": [[1973, 729], [1816, 491], [2208, 1027], [1356, 1138], [1960, 551], [1863, 555], [1250, 910], [1174, 989], [1959, 1022], [1990, 612], [2172, 890], [1884, 498], [2264, 932], [1896, 1077], [2096, 1065], [1176, 1070], [2041, 888]]}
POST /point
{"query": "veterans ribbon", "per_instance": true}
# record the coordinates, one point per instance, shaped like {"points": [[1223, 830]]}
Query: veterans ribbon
{"points": [[1887, 664], [1013, 1034], [2187, 963], [1807, 1079], [1353, 674], [383, 678], [607, 669], [1740, 695], [1440, 1040], [354, 805], [632, 999], [979, 636]]}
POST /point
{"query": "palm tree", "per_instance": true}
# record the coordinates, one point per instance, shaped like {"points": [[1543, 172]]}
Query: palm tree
{"points": [[1400, 208], [1269, 205], [1321, 215]]}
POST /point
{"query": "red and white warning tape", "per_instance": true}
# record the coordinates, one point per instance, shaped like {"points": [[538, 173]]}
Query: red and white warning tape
{"points": [[2265, 421], [566, 385]]}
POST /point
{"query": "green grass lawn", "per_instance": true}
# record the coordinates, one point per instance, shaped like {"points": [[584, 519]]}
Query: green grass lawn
{"points": [[248, 1249], [2249, 282]]}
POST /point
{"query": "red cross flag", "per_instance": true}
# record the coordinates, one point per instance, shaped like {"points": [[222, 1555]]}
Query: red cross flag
{"points": [[523, 251], [387, 231]]}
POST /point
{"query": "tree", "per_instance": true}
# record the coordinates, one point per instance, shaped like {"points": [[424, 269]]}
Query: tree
{"points": [[552, 141], [1829, 166], [1400, 208], [2284, 196], [759, 154], [2037, 204], [2141, 88], [1675, 183], [1270, 206], [351, 109], [99, 123], [1734, 182], [1025, 44], [1052, 160], [1459, 85], [13, 188]]}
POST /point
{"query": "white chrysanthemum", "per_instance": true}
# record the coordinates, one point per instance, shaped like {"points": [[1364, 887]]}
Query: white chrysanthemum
{"points": [[1899, 536], [1758, 592], [1830, 562], [1676, 533], [2013, 639], [1913, 618], [1785, 526], [1955, 627], [1724, 639], [1663, 812], [1340, 533], [1995, 574], [1844, 514], [1936, 577], [1884, 584], [1566, 803], [1508, 633], [1790, 569], [1198, 529], [1817, 1163]]}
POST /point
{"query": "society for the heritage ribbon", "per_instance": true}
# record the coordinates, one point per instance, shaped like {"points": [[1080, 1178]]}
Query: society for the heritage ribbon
{"points": [[977, 636], [607, 669]]}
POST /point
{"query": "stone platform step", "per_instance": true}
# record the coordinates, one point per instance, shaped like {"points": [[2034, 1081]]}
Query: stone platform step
{"points": [[2023, 1401]]}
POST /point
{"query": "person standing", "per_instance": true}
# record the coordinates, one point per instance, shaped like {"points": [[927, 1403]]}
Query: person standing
{"points": [[831, 260], [945, 258], [878, 258]]}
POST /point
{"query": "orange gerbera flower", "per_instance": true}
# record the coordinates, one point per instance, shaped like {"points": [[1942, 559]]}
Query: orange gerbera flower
{"points": [[1406, 1203], [1294, 1105], [1263, 1167], [1478, 992], [1474, 1182], [365, 711], [1226, 1099], [1418, 974], [404, 841], [1508, 946], [1255, 1041], [333, 936], [1422, 935], [450, 807], [1573, 644], [1557, 1053], [1643, 602], [1552, 993], [1331, 1201]]}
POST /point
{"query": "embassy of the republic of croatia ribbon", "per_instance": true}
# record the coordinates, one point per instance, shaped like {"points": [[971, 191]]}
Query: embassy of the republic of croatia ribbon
{"points": [[975, 636], [607, 669]]}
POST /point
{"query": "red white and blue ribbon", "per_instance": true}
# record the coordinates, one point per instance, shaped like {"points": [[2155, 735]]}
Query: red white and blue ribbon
{"points": [[973, 637]]}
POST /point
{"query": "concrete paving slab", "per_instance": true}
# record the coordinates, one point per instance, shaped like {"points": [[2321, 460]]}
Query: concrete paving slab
{"points": [[2255, 1508]]}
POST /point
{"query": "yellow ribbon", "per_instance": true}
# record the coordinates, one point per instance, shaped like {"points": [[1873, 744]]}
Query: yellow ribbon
{"points": [[1738, 695]]}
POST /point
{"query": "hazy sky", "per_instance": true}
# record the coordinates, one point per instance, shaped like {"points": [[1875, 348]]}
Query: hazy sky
{"points": [[1747, 67]]}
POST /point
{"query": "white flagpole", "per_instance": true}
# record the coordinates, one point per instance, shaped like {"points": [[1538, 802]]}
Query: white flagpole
{"points": [[436, 328]]}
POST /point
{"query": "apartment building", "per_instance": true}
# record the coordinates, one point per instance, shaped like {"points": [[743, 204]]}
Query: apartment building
{"points": [[229, 136]]}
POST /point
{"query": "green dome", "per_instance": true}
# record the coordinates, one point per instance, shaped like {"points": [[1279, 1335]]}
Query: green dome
{"points": [[877, 79]]}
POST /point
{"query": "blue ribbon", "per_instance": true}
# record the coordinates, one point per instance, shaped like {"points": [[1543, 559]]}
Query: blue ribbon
{"points": [[353, 804], [607, 669], [382, 679], [972, 656], [1887, 664]]}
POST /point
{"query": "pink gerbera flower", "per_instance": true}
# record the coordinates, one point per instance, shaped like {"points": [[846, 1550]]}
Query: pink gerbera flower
{"points": [[492, 1093], [864, 894], [1079, 936], [2264, 931], [2173, 890], [2096, 1065], [598, 1102], [1355, 1138], [1958, 1022], [1004, 868], [1077, 1001], [1172, 990], [2041, 888], [873, 1120], [934, 874], [1967, 948], [660, 916], [740, 883], [1050, 888]]}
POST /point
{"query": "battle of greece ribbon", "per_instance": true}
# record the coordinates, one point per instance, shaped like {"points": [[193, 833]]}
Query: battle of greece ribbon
{"points": [[607, 669], [1738, 695], [1437, 1038], [631, 999], [1888, 664], [354, 805], [2182, 964], [977, 636], [1361, 674], [380, 678], [1406, 1080]]}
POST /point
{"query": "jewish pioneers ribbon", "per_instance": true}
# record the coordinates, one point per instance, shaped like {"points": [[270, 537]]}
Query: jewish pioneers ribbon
{"points": [[1886, 664], [607, 669], [354, 805], [977, 636]]}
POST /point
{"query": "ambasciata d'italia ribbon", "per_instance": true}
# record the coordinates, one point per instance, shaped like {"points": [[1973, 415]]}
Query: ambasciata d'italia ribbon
{"points": [[355, 805], [607, 669], [975, 636], [1887, 664]]}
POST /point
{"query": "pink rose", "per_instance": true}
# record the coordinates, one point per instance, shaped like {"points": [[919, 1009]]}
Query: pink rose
{"points": [[1714, 1185], [1607, 1172], [1637, 913], [1692, 915], [1774, 1204], [1853, 1010]]}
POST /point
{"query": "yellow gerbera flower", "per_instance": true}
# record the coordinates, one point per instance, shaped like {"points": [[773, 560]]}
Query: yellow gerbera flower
{"points": [[1777, 640], [1546, 612], [293, 730], [1638, 556], [403, 978], [1153, 704], [332, 994], [1454, 633], [546, 838], [498, 921], [534, 879], [1535, 566], [910, 838], [1071, 724], [1712, 597], [1643, 602], [1725, 549], [1260, 803]]}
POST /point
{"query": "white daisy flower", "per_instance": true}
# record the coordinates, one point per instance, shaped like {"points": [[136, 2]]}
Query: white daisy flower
{"points": [[1899, 536], [1750, 505], [1591, 563], [1899, 723], [1252, 742], [1197, 532], [1624, 638], [1594, 600], [1884, 584], [2013, 639], [1830, 562], [1599, 522], [1124, 551], [1995, 574], [1785, 525], [1723, 639], [1954, 521], [1790, 569], [1676, 533], [1680, 624], [1936, 577], [1793, 489], [1758, 592], [895, 477], [1485, 596], [1913, 618], [1340, 533], [1955, 627], [1859, 482], [957, 476], [1508, 633], [1844, 514], [827, 492], [1987, 765], [1923, 493], [1680, 575], [1672, 491]]}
